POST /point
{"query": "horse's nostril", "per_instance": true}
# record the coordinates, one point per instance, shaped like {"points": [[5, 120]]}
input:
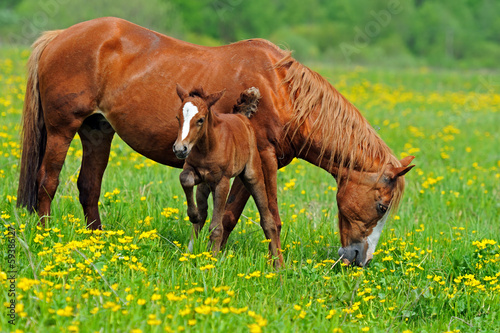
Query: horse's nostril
{"points": [[179, 149]]}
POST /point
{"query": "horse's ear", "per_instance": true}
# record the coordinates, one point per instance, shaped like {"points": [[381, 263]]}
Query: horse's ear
{"points": [[212, 99], [406, 161], [402, 171], [395, 172], [181, 92]]}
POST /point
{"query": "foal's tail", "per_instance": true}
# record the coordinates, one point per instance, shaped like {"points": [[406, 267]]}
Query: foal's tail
{"points": [[34, 133], [248, 102]]}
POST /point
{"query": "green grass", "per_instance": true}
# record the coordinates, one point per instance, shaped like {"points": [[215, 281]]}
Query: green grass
{"points": [[436, 268]]}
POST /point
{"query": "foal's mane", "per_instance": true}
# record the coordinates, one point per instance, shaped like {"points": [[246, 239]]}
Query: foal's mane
{"points": [[335, 124], [198, 92]]}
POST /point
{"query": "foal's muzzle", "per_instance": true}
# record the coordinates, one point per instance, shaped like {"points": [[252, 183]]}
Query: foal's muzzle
{"points": [[180, 150]]}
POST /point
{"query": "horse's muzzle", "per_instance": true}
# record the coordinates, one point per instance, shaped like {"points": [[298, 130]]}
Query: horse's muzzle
{"points": [[354, 254], [181, 151]]}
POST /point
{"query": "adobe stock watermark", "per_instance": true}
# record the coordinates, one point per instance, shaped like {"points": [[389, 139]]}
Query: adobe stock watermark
{"points": [[37, 23], [11, 271], [223, 7], [488, 85], [372, 29]]}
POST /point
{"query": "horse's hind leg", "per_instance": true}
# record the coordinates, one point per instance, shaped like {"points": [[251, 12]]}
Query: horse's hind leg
{"points": [[96, 135], [58, 141]]}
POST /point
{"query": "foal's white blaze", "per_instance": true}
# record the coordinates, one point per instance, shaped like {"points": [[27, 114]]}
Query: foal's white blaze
{"points": [[373, 238], [188, 111]]}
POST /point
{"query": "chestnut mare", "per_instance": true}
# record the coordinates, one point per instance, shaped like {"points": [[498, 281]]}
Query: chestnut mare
{"points": [[218, 147], [108, 75]]}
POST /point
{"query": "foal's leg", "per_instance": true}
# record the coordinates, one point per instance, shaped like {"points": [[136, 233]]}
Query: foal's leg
{"points": [[96, 135], [254, 180], [199, 216], [189, 179], [220, 192], [238, 197], [202, 193]]}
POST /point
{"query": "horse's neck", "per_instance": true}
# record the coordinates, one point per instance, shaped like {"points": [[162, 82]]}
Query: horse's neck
{"points": [[312, 152], [208, 141], [324, 127]]}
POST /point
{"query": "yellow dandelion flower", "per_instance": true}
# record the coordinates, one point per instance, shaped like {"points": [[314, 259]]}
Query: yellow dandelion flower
{"points": [[73, 328], [254, 328]]}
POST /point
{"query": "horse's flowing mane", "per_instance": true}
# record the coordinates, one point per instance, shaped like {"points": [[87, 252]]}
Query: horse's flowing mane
{"points": [[335, 124]]}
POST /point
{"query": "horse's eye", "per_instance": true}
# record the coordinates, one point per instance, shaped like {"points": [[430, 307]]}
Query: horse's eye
{"points": [[177, 117], [200, 121], [382, 208]]}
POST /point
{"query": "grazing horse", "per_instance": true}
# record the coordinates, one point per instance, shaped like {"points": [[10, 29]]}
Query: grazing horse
{"points": [[218, 147], [108, 75]]}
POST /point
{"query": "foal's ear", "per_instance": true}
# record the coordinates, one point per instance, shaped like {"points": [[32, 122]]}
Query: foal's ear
{"points": [[181, 92], [212, 99]]}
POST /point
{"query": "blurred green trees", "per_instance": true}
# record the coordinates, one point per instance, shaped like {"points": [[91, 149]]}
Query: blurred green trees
{"points": [[450, 33]]}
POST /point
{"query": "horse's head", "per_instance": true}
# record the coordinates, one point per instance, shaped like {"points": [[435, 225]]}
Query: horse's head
{"points": [[364, 201], [193, 115]]}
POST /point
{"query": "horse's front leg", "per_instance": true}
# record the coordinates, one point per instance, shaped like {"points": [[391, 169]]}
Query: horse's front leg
{"points": [[270, 170], [253, 178], [220, 192], [189, 179]]}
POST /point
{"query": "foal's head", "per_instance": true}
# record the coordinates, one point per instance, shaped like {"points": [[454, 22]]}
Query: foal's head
{"points": [[193, 116]]}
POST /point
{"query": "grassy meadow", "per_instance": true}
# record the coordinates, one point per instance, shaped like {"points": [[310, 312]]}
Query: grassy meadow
{"points": [[436, 268]]}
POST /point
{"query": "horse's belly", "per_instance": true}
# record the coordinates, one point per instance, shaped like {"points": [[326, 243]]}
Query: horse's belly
{"points": [[146, 135]]}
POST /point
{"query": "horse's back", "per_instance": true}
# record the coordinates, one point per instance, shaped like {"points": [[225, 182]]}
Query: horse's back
{"points": [[106, 49], [129, 73], [122, 36]]}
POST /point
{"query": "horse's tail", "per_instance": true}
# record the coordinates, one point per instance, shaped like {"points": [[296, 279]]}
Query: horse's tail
{"points": [[34, 133], [248, 102]]}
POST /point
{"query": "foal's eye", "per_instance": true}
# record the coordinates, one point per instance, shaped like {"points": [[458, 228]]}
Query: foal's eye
{"points": [[200, 121], [382, 208]]}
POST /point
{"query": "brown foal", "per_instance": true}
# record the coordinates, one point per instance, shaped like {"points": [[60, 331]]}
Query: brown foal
{"points": [[218, 147]]}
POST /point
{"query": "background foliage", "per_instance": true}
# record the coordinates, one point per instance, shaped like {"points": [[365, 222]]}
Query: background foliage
{"points": [[448, 33], [436, 268]]}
